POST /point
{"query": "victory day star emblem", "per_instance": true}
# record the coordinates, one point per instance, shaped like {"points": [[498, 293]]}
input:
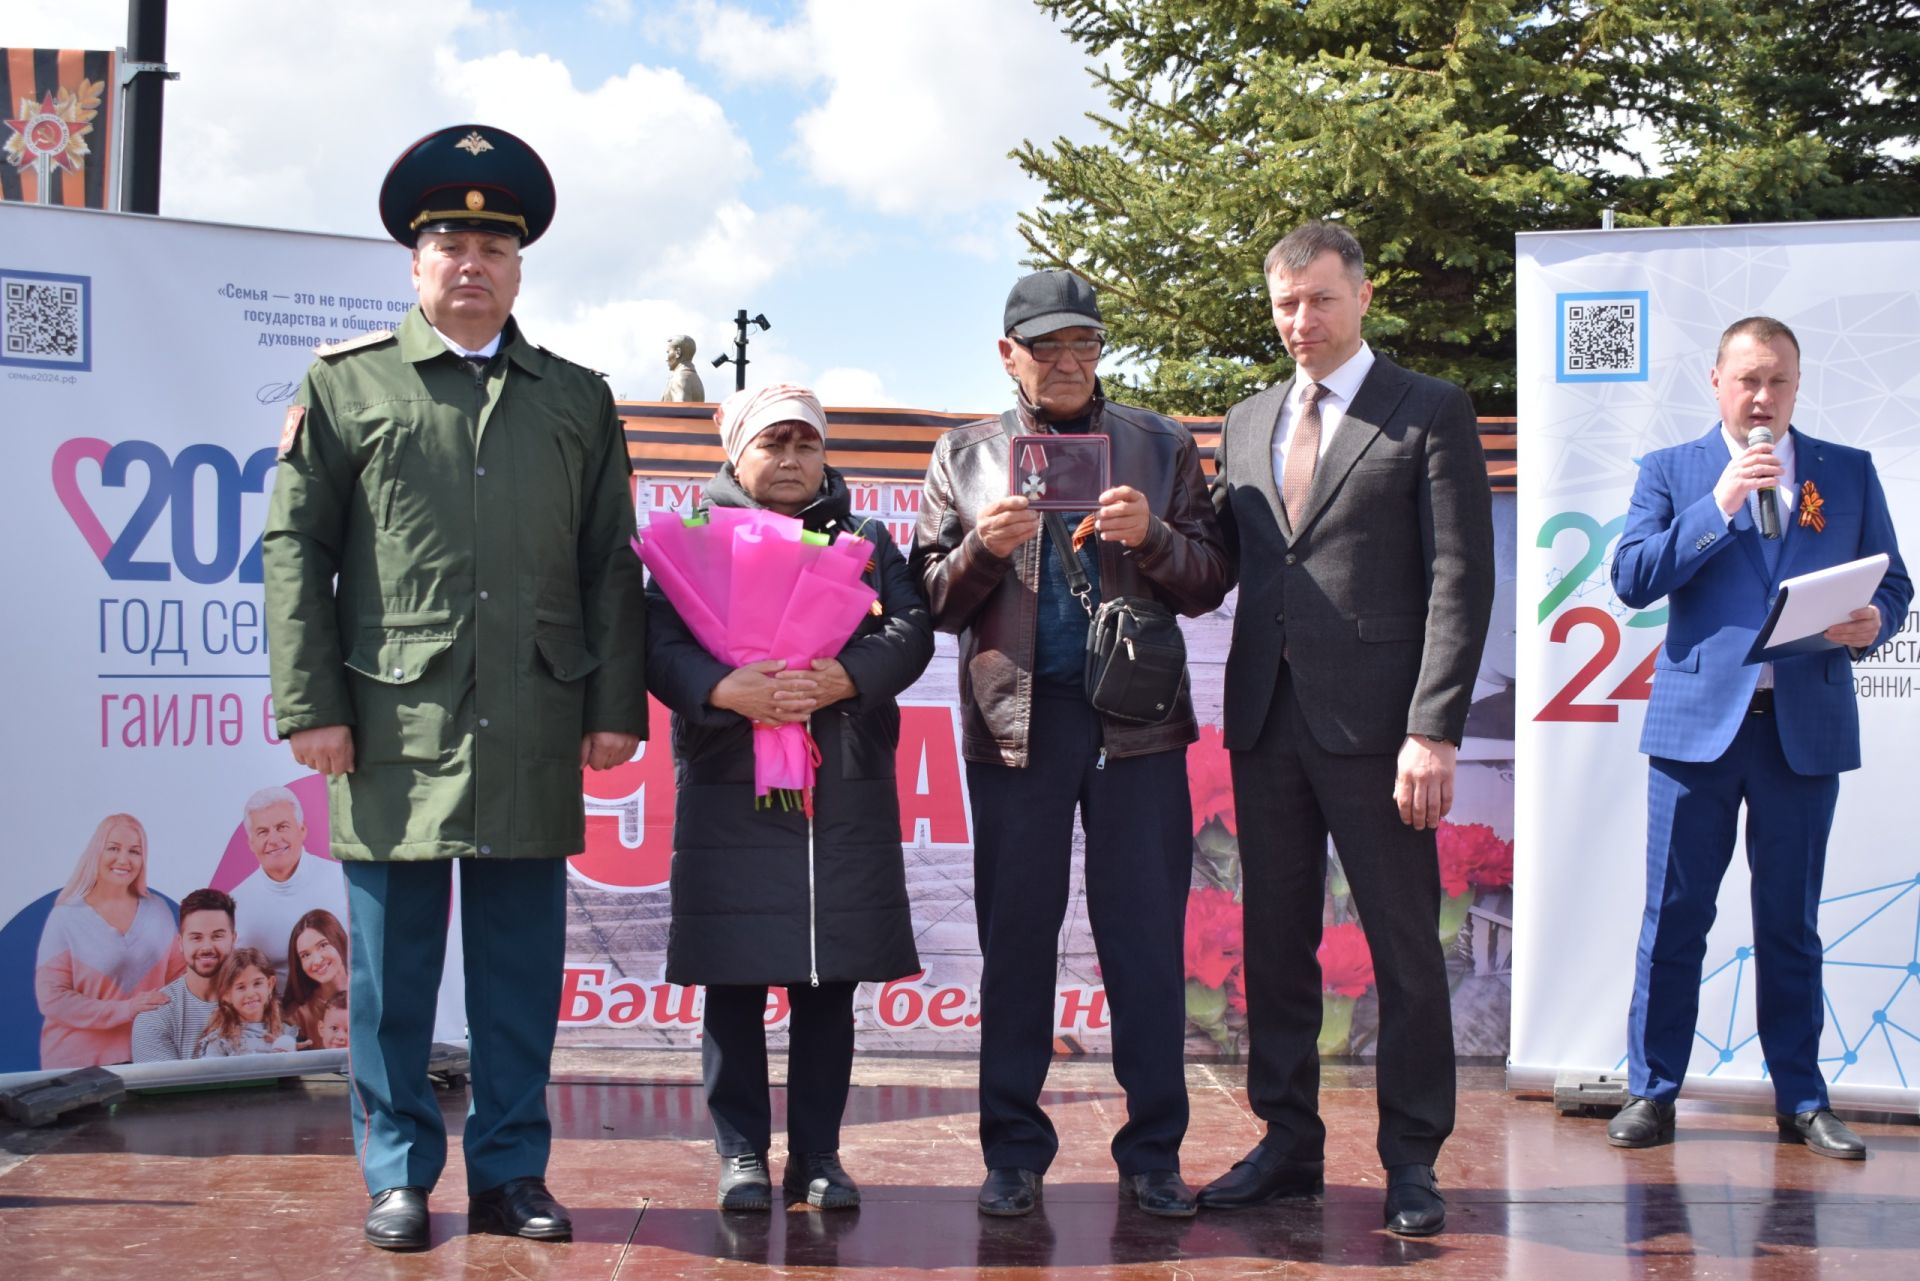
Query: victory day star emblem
{"points": [[53, 131]]}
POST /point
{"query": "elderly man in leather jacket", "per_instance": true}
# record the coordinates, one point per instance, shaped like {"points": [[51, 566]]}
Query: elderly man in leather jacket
{"points": [[1036, 750]]}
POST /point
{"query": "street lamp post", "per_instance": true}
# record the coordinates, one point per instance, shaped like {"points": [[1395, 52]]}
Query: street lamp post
{"points": [[739, 359]]}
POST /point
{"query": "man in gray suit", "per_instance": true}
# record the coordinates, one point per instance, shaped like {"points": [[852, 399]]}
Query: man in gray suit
{"points": [[1354, 500]]}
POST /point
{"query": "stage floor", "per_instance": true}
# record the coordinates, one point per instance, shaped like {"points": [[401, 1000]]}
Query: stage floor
{"points": [[261, 1182]]}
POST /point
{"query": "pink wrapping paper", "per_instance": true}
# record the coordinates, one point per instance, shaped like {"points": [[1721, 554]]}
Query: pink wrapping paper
{"points": [[750, 589]]}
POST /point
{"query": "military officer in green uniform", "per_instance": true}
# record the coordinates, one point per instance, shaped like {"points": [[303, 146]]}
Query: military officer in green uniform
{"points": [[456, 633]]}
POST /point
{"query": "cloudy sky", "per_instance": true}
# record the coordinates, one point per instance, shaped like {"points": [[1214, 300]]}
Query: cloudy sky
{"points": [[839, 165]]}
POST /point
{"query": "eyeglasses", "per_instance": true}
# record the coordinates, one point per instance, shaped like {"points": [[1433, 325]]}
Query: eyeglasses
{"points": [[1049, 350]]}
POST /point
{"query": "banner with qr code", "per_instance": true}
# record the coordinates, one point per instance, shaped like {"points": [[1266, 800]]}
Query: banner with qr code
{"points": [[1618, 332], [57, 127], [145, 366], [145, 369]]}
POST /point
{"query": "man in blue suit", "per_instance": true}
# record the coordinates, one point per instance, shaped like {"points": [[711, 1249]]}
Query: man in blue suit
{"points": [[1721, 732]]}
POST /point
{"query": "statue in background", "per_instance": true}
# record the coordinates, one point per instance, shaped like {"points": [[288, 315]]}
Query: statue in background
{"points": [[683, 383]]}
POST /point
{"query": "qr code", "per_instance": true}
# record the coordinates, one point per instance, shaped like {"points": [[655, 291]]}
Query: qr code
{"points": [[44, 321], [1603, 337]]}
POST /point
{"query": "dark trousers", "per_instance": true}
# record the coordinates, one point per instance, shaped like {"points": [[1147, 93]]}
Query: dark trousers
{"points": [[733, 1057], [1692, 809], [1290, 794], [513, 937], [1137, 817]]}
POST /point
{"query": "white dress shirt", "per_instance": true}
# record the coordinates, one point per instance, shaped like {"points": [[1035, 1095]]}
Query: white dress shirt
{"points": [[1783, 495], [485, 353], [1342, 385]]}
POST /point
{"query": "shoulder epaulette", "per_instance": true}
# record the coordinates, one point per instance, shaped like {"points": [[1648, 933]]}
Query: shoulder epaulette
{"points": [[554, 355], [353, 344]]}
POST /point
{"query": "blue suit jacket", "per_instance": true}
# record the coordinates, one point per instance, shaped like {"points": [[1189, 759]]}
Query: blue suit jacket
{"points": [[1677, 544]]}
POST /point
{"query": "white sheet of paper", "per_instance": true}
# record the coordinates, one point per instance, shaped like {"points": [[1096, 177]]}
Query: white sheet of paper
{"points": [[1818, 600]]}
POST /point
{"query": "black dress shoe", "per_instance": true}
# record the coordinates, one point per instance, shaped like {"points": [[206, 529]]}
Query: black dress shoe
{"points": [[816, 1178], [1643, 1123], [1824, 1133], [744, 1182], [1009, 1192], [520, 1208], [1161, 1192], [397, 1220], [1263, 1175], [1414, 1205]]}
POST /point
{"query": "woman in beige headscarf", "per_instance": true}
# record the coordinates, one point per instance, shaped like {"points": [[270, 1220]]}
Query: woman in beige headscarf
{"points": [[773, 897]]}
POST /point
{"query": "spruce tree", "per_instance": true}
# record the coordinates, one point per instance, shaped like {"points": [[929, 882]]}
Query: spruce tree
{"points": [[1436, 132]]}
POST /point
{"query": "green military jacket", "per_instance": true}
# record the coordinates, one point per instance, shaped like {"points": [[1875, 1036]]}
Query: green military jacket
{"points": [[448, 571]]}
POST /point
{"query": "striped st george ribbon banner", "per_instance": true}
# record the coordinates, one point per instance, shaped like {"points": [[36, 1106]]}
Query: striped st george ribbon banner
{"points": [[893, 445], [56, 126]]}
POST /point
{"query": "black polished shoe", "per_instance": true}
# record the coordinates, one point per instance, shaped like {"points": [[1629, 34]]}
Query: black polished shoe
{"points": [[520, 1208], [1260, 1176], [744, 1182], [1009, 1192], [1643, 1123], [397, 1219], [817, 1179], [1823, 1132], [1161, 1192], [1414, 1204]]}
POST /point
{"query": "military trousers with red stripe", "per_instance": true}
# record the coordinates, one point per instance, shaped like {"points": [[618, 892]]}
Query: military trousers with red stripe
{"points": [[512, 933]]}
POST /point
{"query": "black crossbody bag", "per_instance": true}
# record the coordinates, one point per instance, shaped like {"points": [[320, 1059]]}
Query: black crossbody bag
{"points": [[1136, 654], [1136, 665]]}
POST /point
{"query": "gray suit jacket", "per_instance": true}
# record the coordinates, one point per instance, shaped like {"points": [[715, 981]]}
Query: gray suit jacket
{"points": [[1380, 599]]}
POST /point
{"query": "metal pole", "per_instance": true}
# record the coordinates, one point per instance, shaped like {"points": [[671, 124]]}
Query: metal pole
{"points": [[117, 179], [739, 358], [740, 350], [146, 43]]}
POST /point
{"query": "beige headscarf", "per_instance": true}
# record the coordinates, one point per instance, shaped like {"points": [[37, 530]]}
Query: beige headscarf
{"points": [[746, 414]]}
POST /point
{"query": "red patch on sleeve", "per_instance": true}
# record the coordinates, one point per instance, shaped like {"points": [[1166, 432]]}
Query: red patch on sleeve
{"points": [[290, 429]]}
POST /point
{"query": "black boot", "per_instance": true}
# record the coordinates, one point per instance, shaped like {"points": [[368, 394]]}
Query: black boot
{"points": [[1009, 1192], [744, 1184], [1161, 1192], [817, 1179]]}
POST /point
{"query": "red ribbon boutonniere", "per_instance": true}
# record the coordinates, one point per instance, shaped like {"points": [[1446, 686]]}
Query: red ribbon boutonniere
{"points": [[1810, 505]]}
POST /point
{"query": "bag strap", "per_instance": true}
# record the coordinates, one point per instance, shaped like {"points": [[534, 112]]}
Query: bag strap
{"points": [[1077, 581]]}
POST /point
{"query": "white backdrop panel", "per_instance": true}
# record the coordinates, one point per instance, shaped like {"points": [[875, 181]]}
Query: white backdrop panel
{"points": [[1617, 332], [145, 366]]}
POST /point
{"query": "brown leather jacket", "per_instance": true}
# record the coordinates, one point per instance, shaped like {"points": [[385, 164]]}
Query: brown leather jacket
{"points": [[991, 602]]}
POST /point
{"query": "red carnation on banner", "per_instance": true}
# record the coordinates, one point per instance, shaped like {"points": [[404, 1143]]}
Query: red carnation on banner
{"points": [[1210, 779], [1472, 855], [1213, 936], [1346, 964]]}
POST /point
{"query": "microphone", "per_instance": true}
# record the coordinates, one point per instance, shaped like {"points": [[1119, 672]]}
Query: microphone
{"points": [[1769, 497]]}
